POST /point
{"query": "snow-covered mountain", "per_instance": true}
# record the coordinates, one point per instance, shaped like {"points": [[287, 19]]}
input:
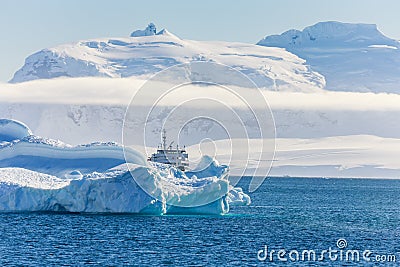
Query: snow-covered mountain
{"points": [[309, 127], [351, 57], [149, 31], [147, 52], [328, 55]]}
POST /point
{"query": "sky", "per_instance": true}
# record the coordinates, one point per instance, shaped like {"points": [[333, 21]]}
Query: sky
{"points": [[28, 26]]}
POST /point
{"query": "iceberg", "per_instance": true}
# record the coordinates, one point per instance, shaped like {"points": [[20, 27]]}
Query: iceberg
{"points": [[11, 130], [40, 174]]}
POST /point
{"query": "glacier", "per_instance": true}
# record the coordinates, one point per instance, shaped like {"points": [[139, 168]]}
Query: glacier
{"points": [[11, 130], [146, 52], [41, 174], [351, 56], [329, 55], [86, 110]]}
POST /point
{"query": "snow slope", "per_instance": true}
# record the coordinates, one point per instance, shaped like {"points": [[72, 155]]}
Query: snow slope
{"points": [[97, 114], [148, 52], [11, 130], [351, 57], [328, 55], [38, 174], [352, 156]]}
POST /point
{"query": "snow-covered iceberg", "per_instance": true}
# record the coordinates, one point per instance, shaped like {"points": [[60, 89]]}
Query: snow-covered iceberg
{"points": [[12, 130], [39, 174]]}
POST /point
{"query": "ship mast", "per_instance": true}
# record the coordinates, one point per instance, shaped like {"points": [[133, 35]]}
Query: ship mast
{"points": [[164, 139], [168, 155]]}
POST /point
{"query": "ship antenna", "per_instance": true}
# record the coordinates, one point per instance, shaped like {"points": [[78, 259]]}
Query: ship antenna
{"points": [[164, 138]]}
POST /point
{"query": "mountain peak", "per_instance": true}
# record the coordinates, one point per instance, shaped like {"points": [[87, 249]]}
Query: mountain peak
{"points": [[330, 33], [165, 32], [351, 56], [150, 31]]}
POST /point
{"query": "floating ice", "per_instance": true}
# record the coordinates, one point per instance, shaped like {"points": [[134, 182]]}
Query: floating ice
{"points": [[236, 196], [12, 130], [74, 175], [38, 174]]}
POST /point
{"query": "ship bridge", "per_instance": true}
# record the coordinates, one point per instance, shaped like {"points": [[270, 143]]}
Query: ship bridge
{"points": [[169, 155]]}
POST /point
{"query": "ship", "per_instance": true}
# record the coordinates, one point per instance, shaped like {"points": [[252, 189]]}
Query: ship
{"points": [[177, 156]]}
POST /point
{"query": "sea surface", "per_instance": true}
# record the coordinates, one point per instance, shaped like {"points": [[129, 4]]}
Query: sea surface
{"points": [[288, 214]]}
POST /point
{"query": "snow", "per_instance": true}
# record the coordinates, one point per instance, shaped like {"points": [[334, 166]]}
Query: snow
{"points": [[383, 46], [330, 34], [351, 56], [148, 53], [149, 31], [328, 55], [351, 156], [97, 113], [75, 174], [11, 130], [350, 129], [237, 197], [39, 174]]}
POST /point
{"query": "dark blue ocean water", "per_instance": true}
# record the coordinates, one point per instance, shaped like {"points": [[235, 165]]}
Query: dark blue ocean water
{"points": [[293, 214]]}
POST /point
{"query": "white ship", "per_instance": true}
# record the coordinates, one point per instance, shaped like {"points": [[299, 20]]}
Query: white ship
{"points": [[169, 155]]}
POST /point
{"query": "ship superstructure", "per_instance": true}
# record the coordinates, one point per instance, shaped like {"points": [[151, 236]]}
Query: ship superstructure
{"points": [[169, 155]]}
